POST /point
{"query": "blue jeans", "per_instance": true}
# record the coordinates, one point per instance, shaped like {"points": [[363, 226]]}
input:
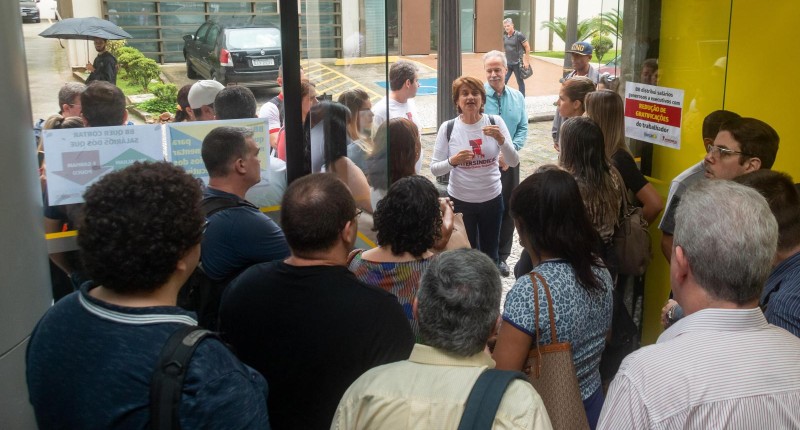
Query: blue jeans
{"points": [[482, 221], [515, 69], [593, 405]]}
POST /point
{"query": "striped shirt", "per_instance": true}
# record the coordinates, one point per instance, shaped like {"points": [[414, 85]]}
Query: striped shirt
{"points": [[781, 296], [716, 368]]}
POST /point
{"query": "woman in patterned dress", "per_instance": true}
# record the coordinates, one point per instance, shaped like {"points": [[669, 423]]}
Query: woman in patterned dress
{"points": [[556, 231], [408, 221]]}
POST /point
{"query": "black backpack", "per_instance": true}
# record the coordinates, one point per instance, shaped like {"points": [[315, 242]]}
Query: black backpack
{"points": [[279, 104], [200, 293], [166, 384]]}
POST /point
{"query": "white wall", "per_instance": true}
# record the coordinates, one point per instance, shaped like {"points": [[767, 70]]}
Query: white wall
{"points": [[77, 49]]}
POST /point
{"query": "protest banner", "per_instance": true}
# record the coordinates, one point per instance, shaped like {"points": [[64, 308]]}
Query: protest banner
{"points": [[75, 158]]}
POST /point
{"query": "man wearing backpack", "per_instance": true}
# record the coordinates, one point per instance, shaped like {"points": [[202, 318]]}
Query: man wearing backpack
{"points": [[92, 356], [457, 308], [240, 235]]}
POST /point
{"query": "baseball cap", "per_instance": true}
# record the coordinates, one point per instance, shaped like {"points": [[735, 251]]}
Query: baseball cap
{"points": [[203, 93], [582, 48]]}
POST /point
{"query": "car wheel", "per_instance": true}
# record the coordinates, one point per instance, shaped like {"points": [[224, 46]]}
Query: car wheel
{"points": [[190, 72]]}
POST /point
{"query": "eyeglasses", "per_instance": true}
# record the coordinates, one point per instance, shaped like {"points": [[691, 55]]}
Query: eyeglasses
{"points": [[723, 152], [358, 213]]}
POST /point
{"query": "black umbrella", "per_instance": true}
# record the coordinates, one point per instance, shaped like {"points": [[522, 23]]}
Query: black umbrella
{"points": [[85, 28]]}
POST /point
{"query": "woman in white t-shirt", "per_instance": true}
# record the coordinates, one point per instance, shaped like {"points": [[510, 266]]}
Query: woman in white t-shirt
{"points": [[477, 146]]}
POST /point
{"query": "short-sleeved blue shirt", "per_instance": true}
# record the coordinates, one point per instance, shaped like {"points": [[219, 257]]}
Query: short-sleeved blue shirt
{"points": [[582, 317], [239, 237]]}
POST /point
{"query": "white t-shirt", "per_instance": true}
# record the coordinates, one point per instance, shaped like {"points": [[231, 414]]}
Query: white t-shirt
{"points": [[406, 110], [478, 180], [273, 116]]}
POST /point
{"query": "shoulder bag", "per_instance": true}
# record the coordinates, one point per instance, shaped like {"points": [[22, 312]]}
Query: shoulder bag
{"points": [[631, 240], [552, 372], [525, 72]]}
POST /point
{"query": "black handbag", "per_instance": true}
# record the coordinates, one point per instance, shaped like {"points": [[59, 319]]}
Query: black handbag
{"points": [[525, 72]]}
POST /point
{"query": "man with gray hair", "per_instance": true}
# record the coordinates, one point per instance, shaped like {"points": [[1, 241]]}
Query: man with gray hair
{"points": [[722, 364], [518, 52], [69, 99], [510, 105], [457, 306]]}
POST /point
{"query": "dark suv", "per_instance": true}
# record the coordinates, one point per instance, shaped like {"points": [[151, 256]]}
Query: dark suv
{"points": [[246, 54], [29, 11]]}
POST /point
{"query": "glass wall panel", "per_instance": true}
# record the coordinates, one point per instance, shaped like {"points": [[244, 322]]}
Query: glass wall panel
{"points": [[346, 60], [324, 20], [119, 6], [230, 7], [467, 25]]}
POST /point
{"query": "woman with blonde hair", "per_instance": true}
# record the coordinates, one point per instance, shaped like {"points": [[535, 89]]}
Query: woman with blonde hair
{"points": [[359, 127], [571, 100], [608, 111]]}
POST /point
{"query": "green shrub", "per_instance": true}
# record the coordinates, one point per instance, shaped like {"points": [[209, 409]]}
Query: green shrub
{"points": [[165, 92], [166, 99], [601, 44], [142, 71], [126, 56], [113, 46], [157, 106]]}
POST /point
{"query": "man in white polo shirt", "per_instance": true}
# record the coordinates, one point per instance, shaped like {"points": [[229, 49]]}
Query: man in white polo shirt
{"points": [[403, 85], [723, 364]]}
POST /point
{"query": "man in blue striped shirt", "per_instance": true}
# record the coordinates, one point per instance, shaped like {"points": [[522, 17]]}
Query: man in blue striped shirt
{"points": [[723, 365], [780, 298]]}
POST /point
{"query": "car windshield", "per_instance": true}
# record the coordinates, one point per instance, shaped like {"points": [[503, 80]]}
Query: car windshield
{"points": [[252, 38]]}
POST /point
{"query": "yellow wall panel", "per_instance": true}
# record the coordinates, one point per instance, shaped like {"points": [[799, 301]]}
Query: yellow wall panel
{"points": [[763, 69], [694, 37], [753, 75]]}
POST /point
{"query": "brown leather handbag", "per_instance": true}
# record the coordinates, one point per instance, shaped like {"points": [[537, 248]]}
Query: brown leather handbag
{"points": [[552, 372]]}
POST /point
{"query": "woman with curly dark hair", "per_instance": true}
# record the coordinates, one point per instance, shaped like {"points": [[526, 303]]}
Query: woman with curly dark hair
{"points": [[555, 230], [408, 221]]}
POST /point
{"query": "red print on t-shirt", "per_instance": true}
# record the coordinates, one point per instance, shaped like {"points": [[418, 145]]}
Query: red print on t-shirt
{"points": [[476, 147]]}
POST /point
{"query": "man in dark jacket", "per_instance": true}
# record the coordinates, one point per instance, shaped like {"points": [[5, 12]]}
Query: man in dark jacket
{"points": [[104, 67]]}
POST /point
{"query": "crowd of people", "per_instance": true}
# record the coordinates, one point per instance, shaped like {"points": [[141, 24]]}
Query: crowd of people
{"points": [[304, 331]]}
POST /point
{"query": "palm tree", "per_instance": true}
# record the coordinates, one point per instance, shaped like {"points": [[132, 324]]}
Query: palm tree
{"points": [[611, 23], [586, 28]]}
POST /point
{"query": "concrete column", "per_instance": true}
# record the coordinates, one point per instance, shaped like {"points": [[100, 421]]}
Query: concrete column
{"points": [[449, 60], [25, 287]]}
